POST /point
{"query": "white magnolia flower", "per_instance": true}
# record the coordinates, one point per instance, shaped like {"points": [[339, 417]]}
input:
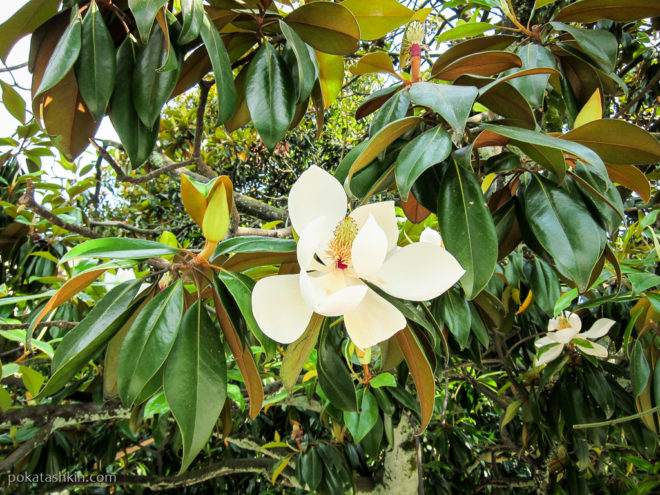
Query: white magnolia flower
{"points": [[337, 254], [566, 330]]}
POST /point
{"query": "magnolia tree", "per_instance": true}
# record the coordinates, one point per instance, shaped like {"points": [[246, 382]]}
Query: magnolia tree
{"points": [[384, 246]]}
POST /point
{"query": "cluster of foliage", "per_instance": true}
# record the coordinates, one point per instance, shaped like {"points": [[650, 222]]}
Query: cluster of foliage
{"points": [[533, 151]]}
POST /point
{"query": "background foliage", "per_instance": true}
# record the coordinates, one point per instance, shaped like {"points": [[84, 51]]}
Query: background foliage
{"points": [[528, 138]]}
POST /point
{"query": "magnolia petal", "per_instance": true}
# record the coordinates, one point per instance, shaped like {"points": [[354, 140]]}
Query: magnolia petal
{"points": [[279, 308], [595, 349], [549, 355], [385, 216], [316, 193], [431, 236], [328, 294], [563, 336], [369, 248], [543, 341], [309, 242], [418, 272], [374, 320], [598, 329], [574, 321]]}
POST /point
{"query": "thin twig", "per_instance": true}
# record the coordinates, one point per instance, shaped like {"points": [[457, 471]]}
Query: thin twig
{"points": [[279, 233], [125, 226], [54, 323], [639, 96]]}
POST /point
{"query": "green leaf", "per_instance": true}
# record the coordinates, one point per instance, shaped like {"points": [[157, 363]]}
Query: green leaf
{"points": [[151, 87], [640, 371], [138, 139], [312, 469], [599, 389], [144, 12], [359, 424], [240, 287], [307, 66], [195, 380], [538, 138], [601, 45], [394, 109], [551, 159], [545, 286], [148, 342], [453, 103], [5, 399], [643, 281], [18, 335], [192, 12], [470, 47], [427, 149], [32, 379], [467, 227], [255, 244], [298, 352], [383, 380], [533, 87], [455, 312], [383, 138], [511, 412], [334, 378], [594, 10], [464, 31], [617, 142], [270, 95], [25, 21], [376, 18], [64, 56], [227, 98], [564, 228], [118, 248], [326, 26], [96, 66], [81, 344], [13, 102]]}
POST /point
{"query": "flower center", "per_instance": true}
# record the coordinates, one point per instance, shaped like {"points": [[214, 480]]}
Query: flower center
{"points": [[342, 242], [563, 323]]}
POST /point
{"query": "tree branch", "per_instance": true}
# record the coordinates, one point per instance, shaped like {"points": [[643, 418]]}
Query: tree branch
{"points": [[279, 233], [26, 447], [63, 415], [27, 200], [55, 323], [125, 226]]}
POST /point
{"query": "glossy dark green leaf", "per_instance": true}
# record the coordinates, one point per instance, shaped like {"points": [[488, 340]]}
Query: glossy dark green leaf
{"points": [[455, 312], [64, 56], [192, 13], [240, 286], [96, 65], [81, 344], [25, 21], [312, 469], [594, 10], [270, 95], [371, 441], [394, 109], [640, 371], [452, 103], [144, 12], [602, 194], [551, 159], [118, 248], [334, 378], [13, 102], [545, 286], [533, 87], [503, 99], [149, 341], [564, 228], [138, 139], [255, 244], [306, 64], [467, 227], [195, 380], [599, 44], [152, 88], [424, 151], [360, 423], [224, 79], [540, 139], [599, 389]]}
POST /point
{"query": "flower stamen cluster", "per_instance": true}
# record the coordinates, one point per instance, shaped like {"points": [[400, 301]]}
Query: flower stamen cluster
{"points": [[342, 242]]}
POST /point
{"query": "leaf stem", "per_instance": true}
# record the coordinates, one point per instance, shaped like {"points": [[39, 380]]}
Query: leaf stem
{"points": [[616, 421]]}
